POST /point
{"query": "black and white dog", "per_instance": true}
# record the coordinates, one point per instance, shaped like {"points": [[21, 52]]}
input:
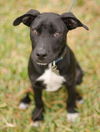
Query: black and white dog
{"points": [[52, 63]]}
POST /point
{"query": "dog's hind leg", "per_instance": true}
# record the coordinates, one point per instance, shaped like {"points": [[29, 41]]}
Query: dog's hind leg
{"points": [[79, 74], [79, 98], [24, 102], [78, 80]]}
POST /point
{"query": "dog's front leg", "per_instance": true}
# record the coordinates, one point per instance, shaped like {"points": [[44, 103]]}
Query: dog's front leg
{"points": [[37, 114], [71, 104]]}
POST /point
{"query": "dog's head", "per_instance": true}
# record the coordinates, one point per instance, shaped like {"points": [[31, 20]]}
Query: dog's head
{"points": [[48, 33]]}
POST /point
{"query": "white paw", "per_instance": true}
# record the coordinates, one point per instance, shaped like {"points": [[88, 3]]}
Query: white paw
{"points": [[80, 101], [23, 106], [36, 124], [72, 116]]}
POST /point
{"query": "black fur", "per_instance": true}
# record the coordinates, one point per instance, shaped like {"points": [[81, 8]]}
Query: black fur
{"points": [[48, 35]]}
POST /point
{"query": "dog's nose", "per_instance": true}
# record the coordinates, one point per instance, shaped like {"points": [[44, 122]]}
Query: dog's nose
{"points": [[41, 54]]}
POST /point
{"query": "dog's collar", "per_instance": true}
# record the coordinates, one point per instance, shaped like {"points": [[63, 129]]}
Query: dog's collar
{"points": [[60, 58], [53, 65]]}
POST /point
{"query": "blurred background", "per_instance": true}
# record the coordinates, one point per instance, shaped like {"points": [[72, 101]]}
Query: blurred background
{"points": [[15, 49]]}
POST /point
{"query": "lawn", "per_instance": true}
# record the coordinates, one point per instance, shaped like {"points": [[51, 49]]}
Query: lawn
{"points": [[15, 48]]}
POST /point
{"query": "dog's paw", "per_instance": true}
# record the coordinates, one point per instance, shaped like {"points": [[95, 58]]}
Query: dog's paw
{"points": [[72, 117], [23, 106], [81, 101], [36, 123]]}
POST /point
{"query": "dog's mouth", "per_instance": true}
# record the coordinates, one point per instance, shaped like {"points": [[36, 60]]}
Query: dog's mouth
{"points": [[42, 64], [46, 63]]}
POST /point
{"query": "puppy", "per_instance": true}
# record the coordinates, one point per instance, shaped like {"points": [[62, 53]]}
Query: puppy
{"points": [[52, 63]]}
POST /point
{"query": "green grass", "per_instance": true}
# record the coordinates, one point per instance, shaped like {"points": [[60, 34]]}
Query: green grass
{"points": [[15, 48]]}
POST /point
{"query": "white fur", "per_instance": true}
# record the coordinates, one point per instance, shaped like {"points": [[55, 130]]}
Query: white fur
{"points": [[36, 124], [72, 116], [52, 80], [23, 106], [80, 101]]}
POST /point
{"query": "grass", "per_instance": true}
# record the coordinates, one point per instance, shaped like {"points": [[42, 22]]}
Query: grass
{"points": [[14, 52]]}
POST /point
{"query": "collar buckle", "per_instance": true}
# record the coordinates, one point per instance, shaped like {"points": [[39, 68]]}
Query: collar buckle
{"points": [[53, 67]]}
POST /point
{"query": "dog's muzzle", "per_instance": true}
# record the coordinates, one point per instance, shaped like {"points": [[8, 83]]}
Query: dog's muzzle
{"points": [[53, 63]]}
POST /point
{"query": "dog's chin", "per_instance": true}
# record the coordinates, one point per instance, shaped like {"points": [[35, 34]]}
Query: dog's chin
{"points": [[44, 62]]}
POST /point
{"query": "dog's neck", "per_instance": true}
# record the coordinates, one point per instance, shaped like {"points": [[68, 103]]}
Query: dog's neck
{"points": [[55, 64], [60, 58]]}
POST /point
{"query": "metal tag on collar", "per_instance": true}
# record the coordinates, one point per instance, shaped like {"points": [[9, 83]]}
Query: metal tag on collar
{"points": [[53, 67]]}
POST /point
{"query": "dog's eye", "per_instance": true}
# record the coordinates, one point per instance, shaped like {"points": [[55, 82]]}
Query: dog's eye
{"points": [[34, 31], [57, 34]]}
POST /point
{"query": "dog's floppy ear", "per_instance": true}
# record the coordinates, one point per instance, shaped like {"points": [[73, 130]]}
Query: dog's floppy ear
{"points": [[71, 21], [27, 18]]}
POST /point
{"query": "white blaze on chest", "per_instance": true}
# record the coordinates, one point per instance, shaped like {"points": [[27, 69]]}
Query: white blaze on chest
{"points": [[52, 80]]}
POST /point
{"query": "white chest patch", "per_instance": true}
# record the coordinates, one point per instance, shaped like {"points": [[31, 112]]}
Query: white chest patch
{"points": [[52, 81]]}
